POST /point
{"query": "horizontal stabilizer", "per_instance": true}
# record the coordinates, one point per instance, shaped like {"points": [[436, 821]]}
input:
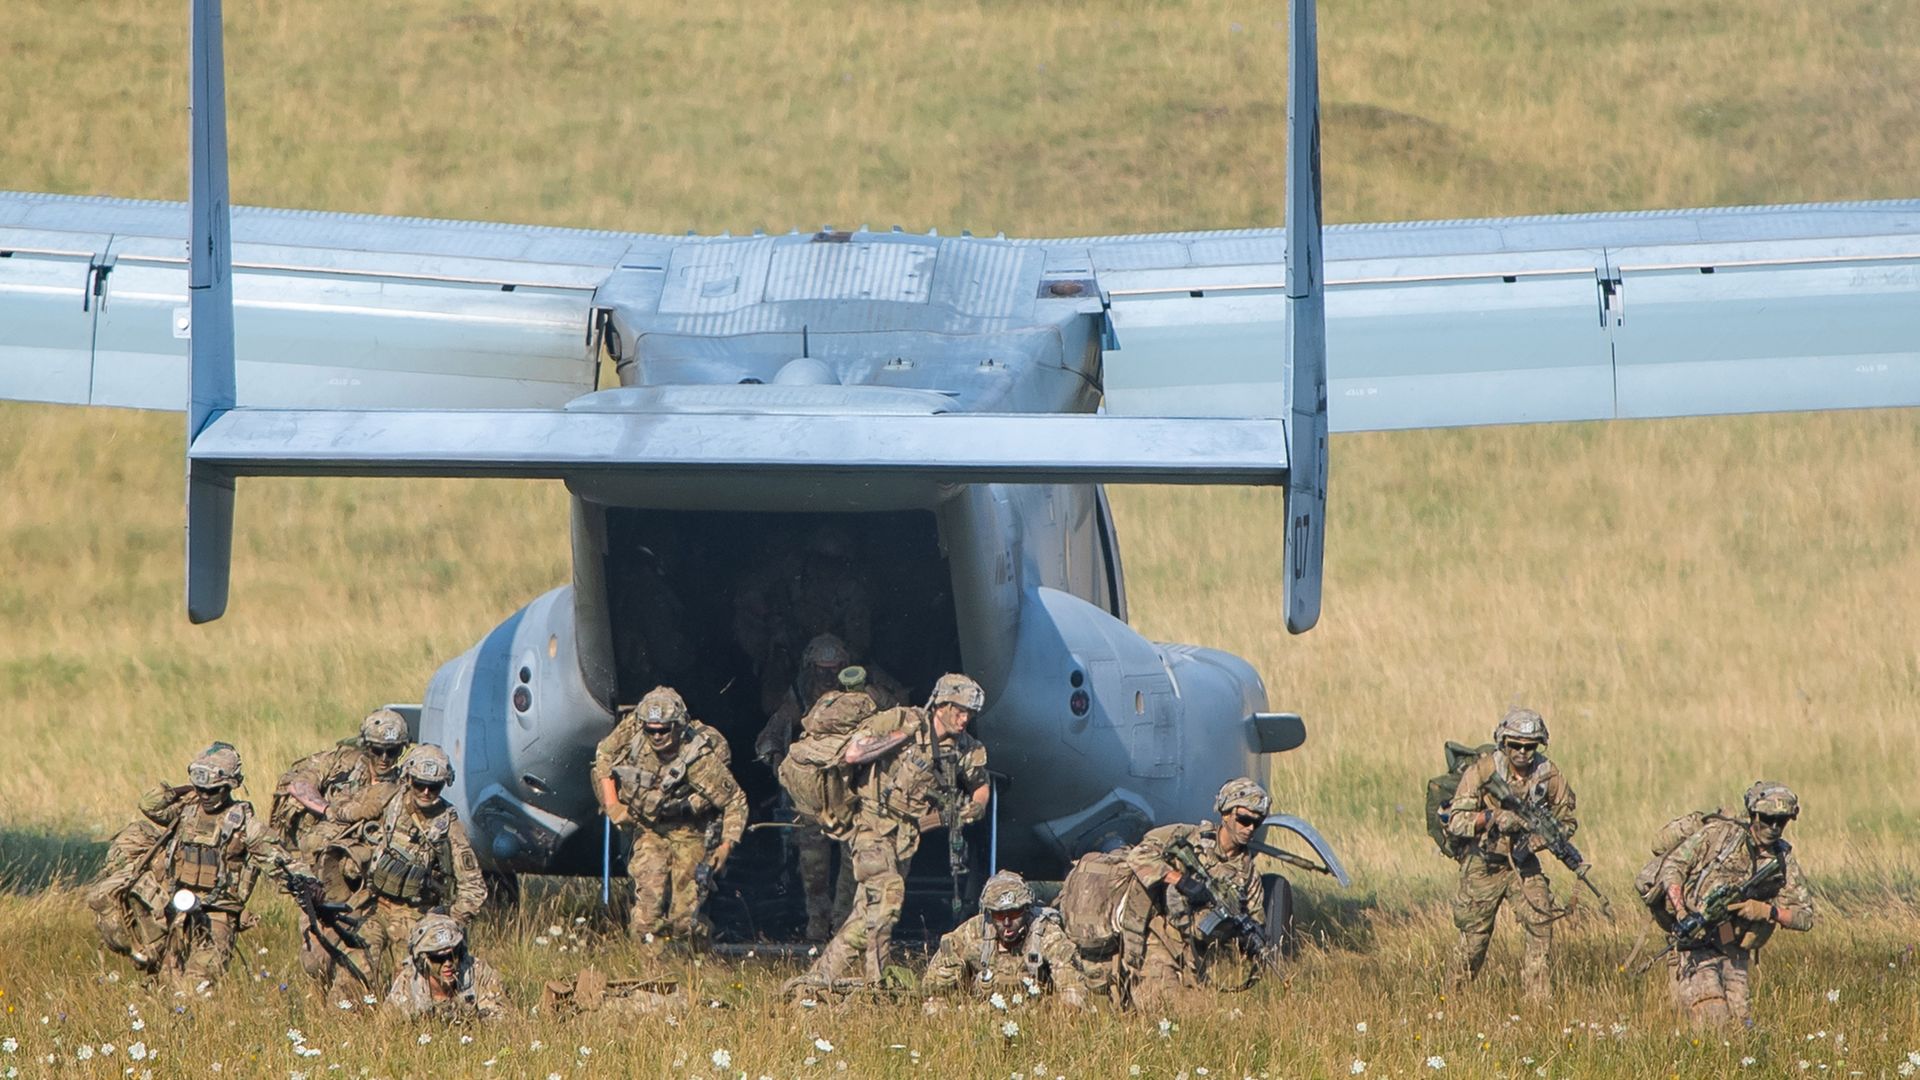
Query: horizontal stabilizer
{"points": [[944, 449]]}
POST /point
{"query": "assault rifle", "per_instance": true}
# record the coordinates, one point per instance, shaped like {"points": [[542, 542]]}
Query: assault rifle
{"points": [[1548, 834], [1221, 913], [947, 764], [1700, 929], [321, 916]]}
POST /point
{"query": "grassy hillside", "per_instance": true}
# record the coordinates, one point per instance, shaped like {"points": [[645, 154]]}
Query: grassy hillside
{"points": [[1692, 603]]}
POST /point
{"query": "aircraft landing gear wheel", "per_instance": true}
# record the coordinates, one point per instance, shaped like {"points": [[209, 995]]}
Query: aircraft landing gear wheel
{"points": [[1279, 916]]}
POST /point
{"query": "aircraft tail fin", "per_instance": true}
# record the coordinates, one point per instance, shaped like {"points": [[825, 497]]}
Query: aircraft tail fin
{"points": [[1306, 355], [210, 306]]}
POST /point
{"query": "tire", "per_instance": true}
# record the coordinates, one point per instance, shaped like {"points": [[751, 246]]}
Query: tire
{"points": [[1279, 916]]}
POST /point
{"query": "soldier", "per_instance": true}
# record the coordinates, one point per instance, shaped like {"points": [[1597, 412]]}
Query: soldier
{"points": [[823, 669], [794, 597], [319, 806], [174, 894], [909, 764], [670, 781], [1710, 980], [420, 860], [1167, 932], [1502, 865], [1014, 946], [444, 981]]}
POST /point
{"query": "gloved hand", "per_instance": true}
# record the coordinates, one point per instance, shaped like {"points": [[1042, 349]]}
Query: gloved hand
{"points": [[1509, 822], [1753, 910], [1193, 890]]}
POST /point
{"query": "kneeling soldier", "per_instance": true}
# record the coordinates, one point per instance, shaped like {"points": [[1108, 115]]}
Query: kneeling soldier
{"points": [[421, 861], [1727, 886], [445, 981], [1014, 946], [686, 810]]}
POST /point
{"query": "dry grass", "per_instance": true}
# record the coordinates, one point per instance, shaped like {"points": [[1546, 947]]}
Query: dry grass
{"points": [[1692, 603]]}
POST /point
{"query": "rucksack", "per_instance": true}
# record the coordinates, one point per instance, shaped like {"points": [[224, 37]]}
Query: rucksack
{"points": [[1090, 899], [1440, 792], [1670, 836], [814, 773]]}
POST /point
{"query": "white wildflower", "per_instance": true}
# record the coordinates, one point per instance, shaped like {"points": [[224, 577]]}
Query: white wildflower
{"points": [[9, 1044], [489, 1063], [1361, 1027], [809, 1060], [722, 1060], [536, 1046], [579, 920], [294, 1036], [1805, 1064], [307, 1051], [113, 976], [1357, 1067], [1166, 1028], [1009, 1029], [1199, 1070], [85, 1053], [425, 1038], [139, 1024], [1905, 1069], [343, 1005], [822, 1045], [553, 1076], [369, 999], [465, 1039], [997, 1001], [295, 1074], [1018, 997], [555, 930], [586, 1051], [542, 940], [1833, 997], [1913, 1056], [1436, 1062], [1133, 1070]]}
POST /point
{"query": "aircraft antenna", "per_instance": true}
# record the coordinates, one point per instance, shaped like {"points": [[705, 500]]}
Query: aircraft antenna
{"points": [[1306, 355]]}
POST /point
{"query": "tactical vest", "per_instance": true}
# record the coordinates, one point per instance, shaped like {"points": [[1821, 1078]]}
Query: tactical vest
{"points": [[1034, 964], [910, 780], [412, 864], [643, 774], [201, 852]]}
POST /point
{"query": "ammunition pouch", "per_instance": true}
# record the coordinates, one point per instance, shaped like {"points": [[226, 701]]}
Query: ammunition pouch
{"points": [[199, 867], [397, 877]]}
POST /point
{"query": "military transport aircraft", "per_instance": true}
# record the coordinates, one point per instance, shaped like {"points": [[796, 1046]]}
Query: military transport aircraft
{"points": [[933, 416]]}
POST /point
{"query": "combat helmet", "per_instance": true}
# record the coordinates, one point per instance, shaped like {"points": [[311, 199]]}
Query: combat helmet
{"points": [[958, 690], [661, 705], [433, 934], [1005, 891], [826, 651], [1525, 725], [428, 764], [1772, 797], [1242, 793], [384, 729], [216, 766]]}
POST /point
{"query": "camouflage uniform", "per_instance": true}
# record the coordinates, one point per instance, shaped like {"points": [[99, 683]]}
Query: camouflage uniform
{"points": [[217, 856], [895, 792], [1043, 961], [682, 805], [1711, 984], [1502, 867], [420, 861], [794, 598], [350, 780], [1160, 950], [476, 993], [828, 896]]}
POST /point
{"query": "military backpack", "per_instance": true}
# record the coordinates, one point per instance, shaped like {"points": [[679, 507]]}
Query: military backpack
{"points": [[1669, 837], [814, 773], [1440, 792], [1090, 899]]}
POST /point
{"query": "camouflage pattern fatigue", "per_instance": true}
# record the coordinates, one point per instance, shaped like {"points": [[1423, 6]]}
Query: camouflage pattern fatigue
{"points": [[894, 793], [1160, 952], [477, 995], [626, 735], [126, 857], [970, 958], [219, 857], [1502, 867], [417, 862], [829, 896], [336, 847], [682, 805], [1710, 984]]}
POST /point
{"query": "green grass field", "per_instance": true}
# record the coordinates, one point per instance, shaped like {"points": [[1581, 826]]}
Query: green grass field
{"points": [[1692, 603]]}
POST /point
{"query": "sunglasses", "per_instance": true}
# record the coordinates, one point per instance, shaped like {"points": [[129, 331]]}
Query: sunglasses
{"points": [[431, 789], [1248, 819], [659, 729], [1777, 820]]}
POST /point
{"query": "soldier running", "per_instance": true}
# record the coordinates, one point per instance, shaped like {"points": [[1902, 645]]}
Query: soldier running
{"points": [[1013, 947], [420, 860], [1502, 865], [1710, 971], [1168, 940], [174, 892], [321, 806], [444, 981], [669, 780], [909, 763]]}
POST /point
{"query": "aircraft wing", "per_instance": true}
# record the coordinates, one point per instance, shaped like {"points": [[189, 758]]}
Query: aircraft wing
{"points": [[1429, 324], [1585, 317]]}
